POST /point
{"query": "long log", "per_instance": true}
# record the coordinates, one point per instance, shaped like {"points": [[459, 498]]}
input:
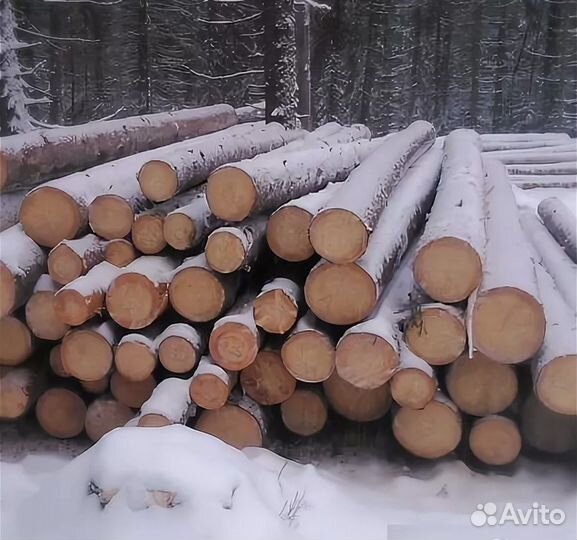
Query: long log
{"points": [[19, 388], [42, 316], [136, 354], [348, 293], [513, 137], [229, 249], [305, 413], [448, 262], [198, 293], [138, 295], [22, 262], [31, 158], [492, 146], [211, 385], [507, 320], [169, 404], [119, 252], [543, 169], [71, 259], [277, 306], [341, 231], [180, 346], [480, 386], [61, 413], [561, 223], [538, 156], [131, 393], [535, 182], [17, 341], [103, 415], [495, 440], [10, 208]]}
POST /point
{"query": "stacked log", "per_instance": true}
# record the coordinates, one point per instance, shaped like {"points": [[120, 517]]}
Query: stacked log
{"points": [[561, 223]]}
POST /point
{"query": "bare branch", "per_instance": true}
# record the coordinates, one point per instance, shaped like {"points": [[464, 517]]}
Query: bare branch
{"points": [[229, 76], [235, 21]]}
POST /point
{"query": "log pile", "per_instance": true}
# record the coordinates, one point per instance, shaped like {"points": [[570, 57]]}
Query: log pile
{"points": [[257, 282]]}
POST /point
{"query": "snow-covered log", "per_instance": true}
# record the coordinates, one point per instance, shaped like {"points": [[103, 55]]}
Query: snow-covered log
{"points": [[17, 341], [211, 385], [561, 223], [87, 350], [538, 156], [138, 295], [262, 184], [348, 293], [305, 413], [131, 393], [235, 338], [200, 294], [42, 317], [71, 259], [481, 386], [180, 346], [61, 413], [552, 257], [492, 146], [229, 249], [19, 388], [495, 440], [520, 137], [266, 380], [309, 351], [543, 169], [163, 178], [103, 415], [563, 146], [29, 159], [277, 306], [10, 208], [84, 298], [169, 403], [448, 262], [136, 354], [119, 252], [288, 227], [507, 320], [431, 432], [340, 232], [555, 366], [566, 181], [250, 113], [22, 262]]}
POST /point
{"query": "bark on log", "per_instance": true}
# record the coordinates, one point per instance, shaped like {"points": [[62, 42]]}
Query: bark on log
{"points": [[305, 413], [10, 208], [103, 415], [71, 259], [266, 380], [348, 293], [309, 352], [180, 346], [544, 168], [448, 263], [250, 113], [355, 403], [495, 440], [42, 316], [519, 137], [131, 393], [537, 181], [17, 341], [538, 156], [507, 321], [211, 385], [229, 249], [492, 146], [198, 293], [277, 306], [136, 355], [18, 390], [138, 295], [480, 386], [119, 252], [169, 404], [561, 223], [431, 432], [55, 361], [61, 413], [22, 262], [31, 158], [340, 232]]}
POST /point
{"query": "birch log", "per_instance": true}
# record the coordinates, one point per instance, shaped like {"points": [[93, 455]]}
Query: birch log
{"points": [[103, 415], [10, 208], [169, 404], [495, 440], [119, 252], [526, 137], [211, 385], [562, 181], [17, 341], [507, 319], [537, 156], [61, 413], [543, 169], [131, 393], [561, 223], [22, 262], [136, 354], [492, 146], [42, 316], [277, 306], [180, 346], [340, 232], [19, 388], [71, 259], [305, 412], [448, 263]]}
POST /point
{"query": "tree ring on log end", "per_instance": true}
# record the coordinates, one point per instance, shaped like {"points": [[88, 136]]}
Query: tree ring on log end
{"points": [[158, 181], [233, 425], [7, 290], [134, 360], [231, 194], [309, 356], [209, 391], [412, 388], [304, 413], [495, 440], [42, 316], [233, 346], [287, 234], [86, 355], [179, 231], [275, 311], [177, 355], [14, 398], [61, 413], [64, 264], [119, 252], [224, 252], [110, 217], [16, 341], [148, 234], [556, 385], [72, 307]]}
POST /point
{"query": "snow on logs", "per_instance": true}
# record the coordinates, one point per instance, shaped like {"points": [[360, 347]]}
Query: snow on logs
{"points": [[566, 181], [340, 232], [180, 346], [561, 223], [507, 319], [169, 403], [277, 305], [31, 158], [448, 263], [211, 385], [18, 343], [61, 413], [42, 316], [305, 413], [345, 294], [523, 137], [495, 440], [10, 208], [22, 262], [73, 258], [536, 156], [519, 144], [136, 354], [543, 169]]}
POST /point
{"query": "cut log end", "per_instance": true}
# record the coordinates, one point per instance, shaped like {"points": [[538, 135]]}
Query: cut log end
{"points": [[177, 355], [340, 294], [61, 413], [17, 342], [134, 361], [436, 335], [275, 311], [7, 290], [43, 317], [233, 346], [64, 264], [495, 440], [104, 415], [287, 234], [224, 252], [110, 217], [556, 385], [119, 252], [16, 393], [49, 216], [158, 181], [339, 236], [365, 360], [304, 413], [86, 355], [148, 234], [233, 425], [75, 309], [448, 269], [179, 231], [231, 194], [431, 432], [209, 391], [55, 360], [413, 388], [131, 393], [153, 420], [508, 324], [309, 356]]}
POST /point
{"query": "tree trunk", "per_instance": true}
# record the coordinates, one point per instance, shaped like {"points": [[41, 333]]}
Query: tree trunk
{"points": [[42, 316], [180, 346], [495, 440], [525, 158], [561, 223], [71, 259], [169, 404]]}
